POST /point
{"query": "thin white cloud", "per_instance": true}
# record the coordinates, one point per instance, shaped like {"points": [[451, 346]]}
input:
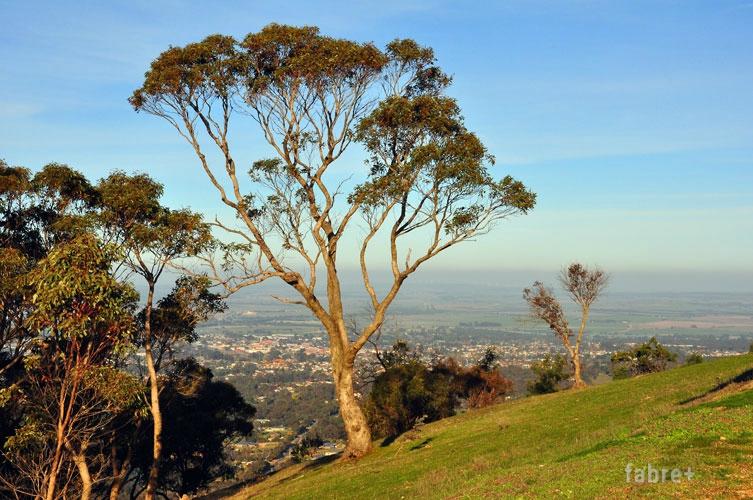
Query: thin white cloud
{"points": [[15, 110]]}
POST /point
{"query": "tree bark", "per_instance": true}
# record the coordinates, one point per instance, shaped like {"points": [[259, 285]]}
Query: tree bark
{"points": [[354, 420], [59, 444], [119, 472], [117, 485], [154, 407], [579, 383], [83, 472], [54, 467]]}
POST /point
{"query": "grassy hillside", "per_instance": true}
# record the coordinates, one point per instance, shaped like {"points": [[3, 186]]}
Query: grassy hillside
{"points": [[570, 444]]}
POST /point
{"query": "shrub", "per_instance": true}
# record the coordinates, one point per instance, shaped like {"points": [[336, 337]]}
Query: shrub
{"points": [[487, 388], [405, 393], [204, 414], [550, 373], [305, 448], [648, 357], [409, 391], [693, 359], [479, 385]]}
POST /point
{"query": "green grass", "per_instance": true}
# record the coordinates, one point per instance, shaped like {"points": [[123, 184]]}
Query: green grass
{"points": [[572, 444]]}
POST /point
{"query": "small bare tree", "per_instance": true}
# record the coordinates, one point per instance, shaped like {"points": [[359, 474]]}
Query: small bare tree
{"points": [[584, 286]]}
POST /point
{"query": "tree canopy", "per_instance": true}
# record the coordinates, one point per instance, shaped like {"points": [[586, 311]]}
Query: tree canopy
{"points": [[311, 96]]}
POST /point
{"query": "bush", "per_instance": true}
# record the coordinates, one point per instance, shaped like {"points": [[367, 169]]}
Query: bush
{"points": [[305, 448], [410, 391], [649, 357], [693, 359], [204, 414], [479, 385], [486, 388], [550, 373], [405, 393]]}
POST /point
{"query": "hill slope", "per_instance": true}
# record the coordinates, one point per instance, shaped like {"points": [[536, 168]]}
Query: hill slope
{"points": [[570, 444]]}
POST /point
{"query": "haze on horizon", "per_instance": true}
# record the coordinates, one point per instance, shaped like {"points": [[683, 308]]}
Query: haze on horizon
{"points": [[633, 122]]}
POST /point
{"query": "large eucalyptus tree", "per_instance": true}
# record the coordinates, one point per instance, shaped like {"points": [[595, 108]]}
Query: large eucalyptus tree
{"points": [[312, 97]]}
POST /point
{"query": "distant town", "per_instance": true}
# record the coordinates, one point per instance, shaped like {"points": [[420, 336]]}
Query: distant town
{"points": [[279, 359]]}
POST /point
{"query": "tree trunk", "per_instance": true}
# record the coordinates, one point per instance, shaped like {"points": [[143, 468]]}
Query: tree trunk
{"points": [[117, 485], [579, 383], [119, 472], [55, 466], [154, 408], [83, 472], [356, 426]]}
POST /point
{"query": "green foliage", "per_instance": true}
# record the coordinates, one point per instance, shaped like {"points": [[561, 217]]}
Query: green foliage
{"points": [[417, 143], [648, 357], [278, 55], [409, 391], [67, 185], [131, 214], [406, 394], [428, 78], [420, 140], [121, 390], [312, 96], [204, 415], [550, 373], [14, 266], [69, 322], [177, 314], [400, 354], [43, 209], [213, 63], [70, 388], [55, 312], [489, 360], [305, 447], [693, 359], [128, 199], [75, 296], [28, 438], [271, 58]]}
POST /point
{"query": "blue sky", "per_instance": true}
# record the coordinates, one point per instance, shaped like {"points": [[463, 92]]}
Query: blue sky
{"points": [[633, 121]]}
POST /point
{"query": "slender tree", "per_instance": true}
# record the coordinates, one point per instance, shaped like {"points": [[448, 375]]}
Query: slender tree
{"points": [[38, 211], [152, 237], [176, 315], [584, 286], [82, 317], [426, 183], [173, 322], [203, 415]]}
